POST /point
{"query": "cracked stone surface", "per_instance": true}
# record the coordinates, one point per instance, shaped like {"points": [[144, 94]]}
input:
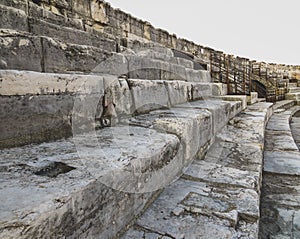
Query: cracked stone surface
{"points": [[215, 198], [281, 185]]}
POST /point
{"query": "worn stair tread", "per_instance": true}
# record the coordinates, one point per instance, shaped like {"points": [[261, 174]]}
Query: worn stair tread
{"points": [[206, 202], [109, 162]]}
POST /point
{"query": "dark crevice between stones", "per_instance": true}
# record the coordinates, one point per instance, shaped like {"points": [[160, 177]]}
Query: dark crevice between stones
{"points": [[53, 169]]}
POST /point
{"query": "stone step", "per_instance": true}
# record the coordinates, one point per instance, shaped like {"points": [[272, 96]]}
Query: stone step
{"points": [[94, 184], [49, 98], [294, 90], [219, 196], [50, 55], [47, 54], [280, 192], [284, 105], [154, 54]]}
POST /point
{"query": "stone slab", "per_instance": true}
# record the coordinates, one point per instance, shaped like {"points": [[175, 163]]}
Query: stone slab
{"points": [[282, 162], [67, 179], [16, 48]]}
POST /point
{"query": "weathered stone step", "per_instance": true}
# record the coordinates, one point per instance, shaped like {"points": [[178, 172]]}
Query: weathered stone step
{"points": [[49, 55], [284, 104], [280, 201], [94, 184], [217, 197], [23, 51], [156, 54], [48, 100]]}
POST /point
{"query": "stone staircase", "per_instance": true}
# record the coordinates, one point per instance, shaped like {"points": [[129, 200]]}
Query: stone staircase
{"points": [[93, 131], [64, 173]]}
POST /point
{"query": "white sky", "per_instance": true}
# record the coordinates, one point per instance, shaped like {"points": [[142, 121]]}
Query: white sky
{"points": [[263, 30]]}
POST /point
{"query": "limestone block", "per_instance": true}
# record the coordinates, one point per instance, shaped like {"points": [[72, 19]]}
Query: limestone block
{"points": [[21, 52], [282, 162], [117, 91], [12, 18], [220, 111], [212, 172], [19, 4], [179, 92], [155, 98], [70, 35], [242, 98], [219, 89], [98, 11], [61, 57], [192, 126], [34, 119], [293, 96], [116, 64], [197, 75], [144, 68], [174, 72], [81, 7], [37, 12], [252, 98], [201, 90], [14, 82]]}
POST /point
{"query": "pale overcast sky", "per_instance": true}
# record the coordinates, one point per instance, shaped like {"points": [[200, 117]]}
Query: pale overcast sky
{"points": [[263, 30]]}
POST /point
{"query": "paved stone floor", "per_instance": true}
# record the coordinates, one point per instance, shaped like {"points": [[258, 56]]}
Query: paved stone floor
{"points": [[218, 196], [280, 206]]}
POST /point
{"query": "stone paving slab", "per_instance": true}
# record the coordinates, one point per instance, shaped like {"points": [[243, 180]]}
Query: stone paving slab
{"points": [[212, 199]]}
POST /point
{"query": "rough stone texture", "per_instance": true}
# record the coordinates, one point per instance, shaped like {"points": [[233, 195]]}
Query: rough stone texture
{"points": [[64, 203], [70, 35], [179, 92], [60, 57], [14, 82], [217, 199], [242, 98], [20, 52], [192, 126], [156, 98], [253, 98], [222, 111], [280, 192], [12, 18]]}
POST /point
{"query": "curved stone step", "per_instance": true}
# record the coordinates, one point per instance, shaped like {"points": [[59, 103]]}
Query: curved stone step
{"points": [[94, 184], [219, 196], [280, 192], [39, 106]]}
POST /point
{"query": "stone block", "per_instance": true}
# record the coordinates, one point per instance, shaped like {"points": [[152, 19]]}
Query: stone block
{"points": [[219, 89], [144, 68], [118, 92], [61, 57], [242, 98], [179, 92], [173, 72], [34, 119], [70, 35], [221, 111], [12, 18], [81, 7], [155, 98], [13, 82], [20, 51], [201, 90], [197, 76], [116, 64], [18, 4], [252, 98]]}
